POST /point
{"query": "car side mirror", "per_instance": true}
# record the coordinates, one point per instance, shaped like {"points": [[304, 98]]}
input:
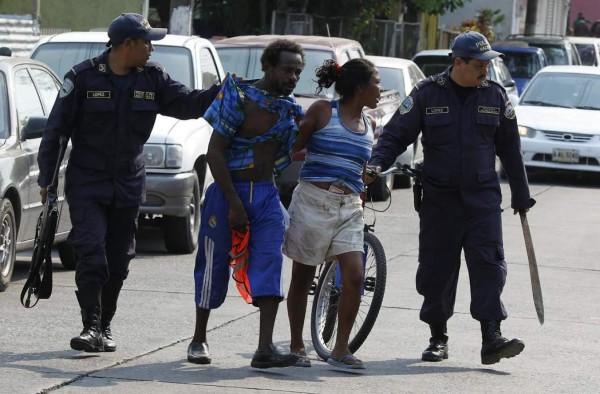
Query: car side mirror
{"points": [[509, 83], [34, 128]]}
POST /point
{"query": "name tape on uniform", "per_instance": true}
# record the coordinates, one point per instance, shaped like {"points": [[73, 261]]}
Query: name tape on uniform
{"points": [[98, 94], [488, 110], [436, 110], [138, 94]]}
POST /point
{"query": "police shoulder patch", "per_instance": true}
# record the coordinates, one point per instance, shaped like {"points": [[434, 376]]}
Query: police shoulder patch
{"points": [[66, 88], [509, 112], [424, 82], [406, 105]]}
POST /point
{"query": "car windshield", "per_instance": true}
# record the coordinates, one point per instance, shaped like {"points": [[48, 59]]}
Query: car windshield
{"points": [[392, 78], [586, 53], [4, 127], [245, 61], [61, 56], [563, 90], [556, 53], [522, 64], [431, 65]]}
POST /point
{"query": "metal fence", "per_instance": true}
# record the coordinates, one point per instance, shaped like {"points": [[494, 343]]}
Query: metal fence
{"points": [[19, 33], [381, 37]]}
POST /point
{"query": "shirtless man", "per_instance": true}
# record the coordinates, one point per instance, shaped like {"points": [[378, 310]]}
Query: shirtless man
{"points": [[254, 131]]}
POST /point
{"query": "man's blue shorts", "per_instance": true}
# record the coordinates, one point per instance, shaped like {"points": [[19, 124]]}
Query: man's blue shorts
{"points": [[212, 273]]}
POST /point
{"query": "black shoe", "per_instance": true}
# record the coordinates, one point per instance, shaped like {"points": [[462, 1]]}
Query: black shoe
{"points": [[272, 358], [437, 350], [493, 351], [90, 340], [197, 353], [494, 346], [109, 343]]}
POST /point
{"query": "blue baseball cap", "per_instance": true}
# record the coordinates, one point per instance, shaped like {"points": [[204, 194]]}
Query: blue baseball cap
{"points": [[132, 25], [474, 45]]}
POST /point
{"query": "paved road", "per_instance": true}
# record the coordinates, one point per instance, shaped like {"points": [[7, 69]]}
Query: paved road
{"points": [[155, 321]]}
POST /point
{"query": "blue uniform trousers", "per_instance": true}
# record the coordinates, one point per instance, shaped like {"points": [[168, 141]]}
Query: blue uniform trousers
{"points": [[103, 238], [445, 232], [212, 271]]}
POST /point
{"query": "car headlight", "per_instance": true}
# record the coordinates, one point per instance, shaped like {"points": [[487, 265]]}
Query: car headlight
{"points": [[174, 156], [163, 156], [525, 131]]}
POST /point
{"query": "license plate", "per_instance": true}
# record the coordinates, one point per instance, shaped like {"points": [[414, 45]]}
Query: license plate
{"points": [[565, 155]]}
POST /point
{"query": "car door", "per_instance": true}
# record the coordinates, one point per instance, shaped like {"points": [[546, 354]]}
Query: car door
{"points": [[48, 86], [28, 104]]}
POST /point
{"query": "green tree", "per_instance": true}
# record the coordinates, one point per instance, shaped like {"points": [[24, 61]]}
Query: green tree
{"points": [[436, 7]]}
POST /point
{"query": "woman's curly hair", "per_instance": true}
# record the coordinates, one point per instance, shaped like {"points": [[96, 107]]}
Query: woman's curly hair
{"points": [[347, 78]]}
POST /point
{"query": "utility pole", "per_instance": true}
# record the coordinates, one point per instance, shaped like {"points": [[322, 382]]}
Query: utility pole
{"points": [[35, 9], [531, 17]]}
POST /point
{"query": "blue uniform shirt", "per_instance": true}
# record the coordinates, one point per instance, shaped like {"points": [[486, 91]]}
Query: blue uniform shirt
{"points": [[109, 119], [460, 143]]}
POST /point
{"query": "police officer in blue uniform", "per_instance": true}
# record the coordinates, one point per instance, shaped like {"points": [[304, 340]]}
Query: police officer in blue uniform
{"points": [[466, 121], [107, 106]]}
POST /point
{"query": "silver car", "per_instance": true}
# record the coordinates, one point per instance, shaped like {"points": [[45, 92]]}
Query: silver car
{"points": [[27, 92]]}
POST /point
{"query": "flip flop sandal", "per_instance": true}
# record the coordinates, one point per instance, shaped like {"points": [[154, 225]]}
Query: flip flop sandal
{"points": [[349, 361], [303, 360]]}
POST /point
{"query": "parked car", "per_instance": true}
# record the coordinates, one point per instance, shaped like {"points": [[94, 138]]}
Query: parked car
{"points": [[176, 171], [558, 49], [588, 48], [241, 55], [558, 117], [523, 62], [27, 92], [401, 75], [434, 61]]}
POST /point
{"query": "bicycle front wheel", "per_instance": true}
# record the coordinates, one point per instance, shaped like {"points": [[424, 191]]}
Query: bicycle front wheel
{"points": [[324, 315]]}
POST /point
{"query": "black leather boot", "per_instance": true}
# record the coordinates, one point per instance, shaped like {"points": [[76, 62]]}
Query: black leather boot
{"points": [[110, 294], [438, 344], [109, 342], [495, 346], [90, 339]]}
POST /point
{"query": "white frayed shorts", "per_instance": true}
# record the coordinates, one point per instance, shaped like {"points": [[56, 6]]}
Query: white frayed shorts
{"points": [[323, 225]]}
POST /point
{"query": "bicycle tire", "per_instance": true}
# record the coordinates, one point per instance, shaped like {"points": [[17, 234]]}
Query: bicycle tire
{"points": [[323, 319]]}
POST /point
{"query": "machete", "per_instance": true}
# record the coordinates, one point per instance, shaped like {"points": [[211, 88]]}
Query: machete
{"points": [[536, 287]]}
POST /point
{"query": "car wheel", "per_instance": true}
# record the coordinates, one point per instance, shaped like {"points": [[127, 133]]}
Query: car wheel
{"points": [[67, 255], [380, 189], [8, 242], [181, 233]]}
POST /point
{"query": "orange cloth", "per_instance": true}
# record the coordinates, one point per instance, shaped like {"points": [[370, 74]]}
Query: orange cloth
{"points": [[239, 260]]}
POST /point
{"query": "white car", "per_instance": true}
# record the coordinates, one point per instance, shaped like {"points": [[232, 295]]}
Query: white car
{"points": [[588, 48], [559, 119], [434, 61], [401, 75], [176, 171]]}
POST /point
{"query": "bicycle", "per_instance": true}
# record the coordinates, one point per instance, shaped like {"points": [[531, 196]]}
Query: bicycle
{"points": [[327, 288]]}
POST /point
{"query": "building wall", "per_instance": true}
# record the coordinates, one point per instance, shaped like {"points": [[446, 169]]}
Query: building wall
{"points": [[552, 15], [590, 9], [84, 15], [470, 10], [16, 7]]}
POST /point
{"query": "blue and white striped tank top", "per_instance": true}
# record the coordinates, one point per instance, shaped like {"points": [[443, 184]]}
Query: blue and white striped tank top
{"points": [[336, 153]]}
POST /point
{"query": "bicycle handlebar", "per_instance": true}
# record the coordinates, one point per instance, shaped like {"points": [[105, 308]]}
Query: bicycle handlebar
{"points": [[399, 168]]}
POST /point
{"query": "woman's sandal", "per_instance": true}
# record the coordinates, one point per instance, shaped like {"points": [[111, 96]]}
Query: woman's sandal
{"points": [[349, 361], [303, 360]]}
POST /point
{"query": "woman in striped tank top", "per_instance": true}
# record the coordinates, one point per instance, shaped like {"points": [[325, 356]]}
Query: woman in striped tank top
{"points": [[326, 209]]}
